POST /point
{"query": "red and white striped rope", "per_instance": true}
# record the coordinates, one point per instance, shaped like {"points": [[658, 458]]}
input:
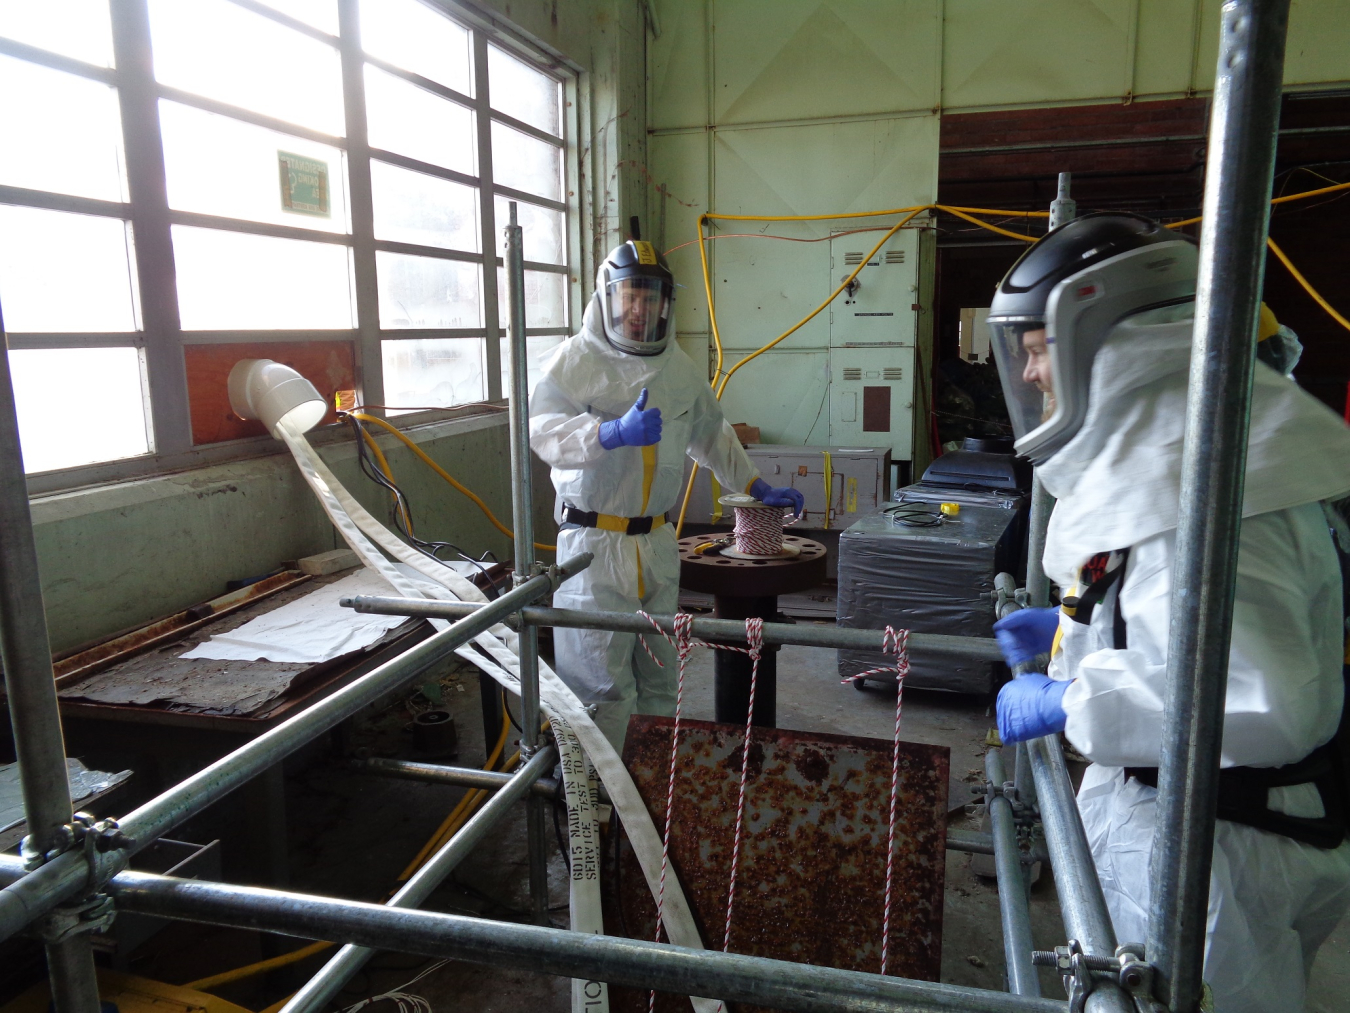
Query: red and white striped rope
{"points": [[897, 643], [893, 642], [759, 530], [684, 645]]}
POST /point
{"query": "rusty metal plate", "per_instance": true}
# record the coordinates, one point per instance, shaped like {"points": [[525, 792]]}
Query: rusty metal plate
{"points": [[751, 578], [811, 884]]}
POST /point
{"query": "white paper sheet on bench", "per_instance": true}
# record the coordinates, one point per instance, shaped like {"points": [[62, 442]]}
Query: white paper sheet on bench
{"points": [[308, 630]]}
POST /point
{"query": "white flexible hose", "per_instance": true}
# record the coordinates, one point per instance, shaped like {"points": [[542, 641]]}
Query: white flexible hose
{"points": [[494, 652]]}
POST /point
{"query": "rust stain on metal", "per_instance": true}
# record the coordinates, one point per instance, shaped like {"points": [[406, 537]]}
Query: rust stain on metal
{"points": [[74, 668], [812, 876], [716, 574]]}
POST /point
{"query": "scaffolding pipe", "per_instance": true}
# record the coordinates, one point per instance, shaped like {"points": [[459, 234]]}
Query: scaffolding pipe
{"points": [[1063, 209], [1244, 119], [30, 689], [522, 506], [63, 877], [926, 644], [460, 777], [1081, 901], [550, 788], [778, 984], [1012, 883], [328, 982]]}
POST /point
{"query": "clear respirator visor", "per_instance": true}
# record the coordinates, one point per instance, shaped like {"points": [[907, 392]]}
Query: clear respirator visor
{"points": [[639, 309], [1026, 370]]}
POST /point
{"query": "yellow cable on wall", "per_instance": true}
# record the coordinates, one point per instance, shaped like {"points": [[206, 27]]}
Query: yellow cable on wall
{"points": [[966, 213], [447, 476]]}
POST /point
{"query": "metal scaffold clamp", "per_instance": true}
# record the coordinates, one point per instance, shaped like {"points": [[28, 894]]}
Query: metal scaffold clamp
{"points": [[95, 836], [92, 914], [1081, 971]]}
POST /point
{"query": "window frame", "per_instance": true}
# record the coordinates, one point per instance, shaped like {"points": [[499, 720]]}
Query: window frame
{"points": [[162, 339]]}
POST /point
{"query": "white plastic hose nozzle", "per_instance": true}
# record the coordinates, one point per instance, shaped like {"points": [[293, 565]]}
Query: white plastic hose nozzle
{"points": [[270, 392]]}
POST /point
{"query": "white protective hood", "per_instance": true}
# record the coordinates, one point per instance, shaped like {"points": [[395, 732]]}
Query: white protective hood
{"points": [[1118, 480], [597, 375]]}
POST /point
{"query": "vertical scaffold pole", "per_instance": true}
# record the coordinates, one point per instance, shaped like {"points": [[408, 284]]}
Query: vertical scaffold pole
{"points": [[1062, 209], [522, 509], [30, 688], [1244, 120]]}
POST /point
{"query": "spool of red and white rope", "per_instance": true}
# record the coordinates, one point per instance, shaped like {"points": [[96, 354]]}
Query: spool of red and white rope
{"points": [[759, 528]]}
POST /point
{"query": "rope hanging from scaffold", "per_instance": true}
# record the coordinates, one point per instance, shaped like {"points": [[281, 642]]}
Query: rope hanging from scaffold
{"points": [[892, 642], [684, 643]]}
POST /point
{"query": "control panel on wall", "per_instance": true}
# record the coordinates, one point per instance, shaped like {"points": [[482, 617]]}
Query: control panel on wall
{"points": [[872, 338]]}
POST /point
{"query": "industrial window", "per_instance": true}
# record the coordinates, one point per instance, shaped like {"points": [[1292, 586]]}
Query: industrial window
{"points": [[323, 182]]}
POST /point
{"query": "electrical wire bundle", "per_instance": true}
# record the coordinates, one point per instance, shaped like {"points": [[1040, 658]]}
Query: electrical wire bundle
{"points": [[912, 515], [378, 472]]}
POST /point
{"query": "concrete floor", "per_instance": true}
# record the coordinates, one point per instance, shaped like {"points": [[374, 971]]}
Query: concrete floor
{"points": [[351, 834]]}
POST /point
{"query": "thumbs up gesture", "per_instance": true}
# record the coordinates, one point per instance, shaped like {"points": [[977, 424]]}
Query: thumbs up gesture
{"points": [[640, 426]]}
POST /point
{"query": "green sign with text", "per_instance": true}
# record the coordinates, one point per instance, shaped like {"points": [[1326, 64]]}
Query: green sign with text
{"points": [[304, 185]]}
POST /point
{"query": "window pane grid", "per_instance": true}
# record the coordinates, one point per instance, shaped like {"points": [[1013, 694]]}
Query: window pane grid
{"points": [[228, 138]]}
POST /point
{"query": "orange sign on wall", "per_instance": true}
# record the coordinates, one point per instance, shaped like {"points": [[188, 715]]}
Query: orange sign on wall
{"points": [[329, 365]]}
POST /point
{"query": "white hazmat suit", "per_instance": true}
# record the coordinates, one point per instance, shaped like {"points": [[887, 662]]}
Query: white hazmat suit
{"points": [[1273, 900], [587, 382]]}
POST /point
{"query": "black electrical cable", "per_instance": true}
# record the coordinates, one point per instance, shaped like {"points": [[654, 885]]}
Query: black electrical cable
{"points": [[506, 706], [403, 512], [913, 515], [614, 831], [562, 844]]}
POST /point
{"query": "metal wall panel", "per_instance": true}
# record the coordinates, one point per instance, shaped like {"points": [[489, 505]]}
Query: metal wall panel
{"points": [[814, 59], [675, 208], [822, 168], [1318, 47], [998, 53], [785, 394], [677, 65]]}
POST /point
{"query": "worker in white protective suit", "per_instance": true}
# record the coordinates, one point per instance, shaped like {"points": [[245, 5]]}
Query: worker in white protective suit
{"points": [[1092, 333], [614, 414]]}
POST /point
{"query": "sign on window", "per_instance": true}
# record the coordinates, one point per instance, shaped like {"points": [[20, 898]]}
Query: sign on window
{"points": [[304, 185]]}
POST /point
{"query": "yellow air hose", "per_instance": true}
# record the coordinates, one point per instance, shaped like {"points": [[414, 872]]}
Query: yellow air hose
{"points": [[443, 833], [966, 213], [445, 475]]}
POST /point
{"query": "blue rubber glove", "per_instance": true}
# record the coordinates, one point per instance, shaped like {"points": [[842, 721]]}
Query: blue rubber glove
{"points": [[1030, 706], [1025, 634], [784, 496], [640, 426]]}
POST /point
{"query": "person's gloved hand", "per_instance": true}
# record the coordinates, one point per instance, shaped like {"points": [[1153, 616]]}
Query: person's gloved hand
{"points": [[1030, 706], [640, 426], [784, 496], [1025, 634]]}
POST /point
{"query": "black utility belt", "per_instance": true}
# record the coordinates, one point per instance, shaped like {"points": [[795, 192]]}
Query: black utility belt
{"points": [[1243, 797], [612, 522]]}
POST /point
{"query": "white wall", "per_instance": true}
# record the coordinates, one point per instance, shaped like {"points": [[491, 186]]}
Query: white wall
{"points": [[782, 107]]}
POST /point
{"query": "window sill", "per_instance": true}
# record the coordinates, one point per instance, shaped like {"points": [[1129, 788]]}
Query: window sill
{"points": [[95, 478]]}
